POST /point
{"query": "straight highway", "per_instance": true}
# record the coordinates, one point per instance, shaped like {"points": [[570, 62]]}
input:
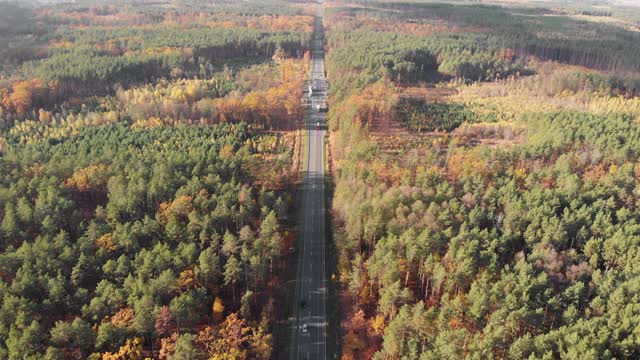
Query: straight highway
{"points": [[309, 322]]}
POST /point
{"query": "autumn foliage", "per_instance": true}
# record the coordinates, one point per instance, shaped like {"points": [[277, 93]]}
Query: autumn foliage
{"points": [[132, 350], [132, 139], [24, 96]]}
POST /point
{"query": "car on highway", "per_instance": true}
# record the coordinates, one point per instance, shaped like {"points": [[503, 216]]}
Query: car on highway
{"points": [[317, 125], [305, 330]]}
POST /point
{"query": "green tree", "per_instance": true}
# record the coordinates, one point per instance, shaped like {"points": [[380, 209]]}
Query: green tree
{"points": [[270, 238], [25, 342], [185, 349], [230, 245], [53, 353], [110, 337], [232, 273], [208, 267], [76, 334], [9, 224], [84, 274], [392, 298], [144, 320], [188, 308], [245, 304]]}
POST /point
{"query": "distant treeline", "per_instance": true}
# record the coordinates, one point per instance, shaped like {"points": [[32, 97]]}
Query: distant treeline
{"points": [[135, 56], [596, 13], [551, 37]]}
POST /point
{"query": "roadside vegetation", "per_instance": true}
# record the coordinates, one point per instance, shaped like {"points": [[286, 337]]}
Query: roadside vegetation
{"points": [[485, 167], [148, 157]]}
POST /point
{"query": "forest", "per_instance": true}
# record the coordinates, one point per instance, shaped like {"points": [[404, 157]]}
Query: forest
{"points": [[148, 158], [72, 58], [485, 187]]}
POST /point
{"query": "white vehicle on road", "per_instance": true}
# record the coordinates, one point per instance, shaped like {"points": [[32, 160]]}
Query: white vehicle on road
{"points": [[305, 330]]}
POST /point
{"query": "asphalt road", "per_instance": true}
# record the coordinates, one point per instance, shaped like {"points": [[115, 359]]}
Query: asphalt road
{"points": [[309, 325]]}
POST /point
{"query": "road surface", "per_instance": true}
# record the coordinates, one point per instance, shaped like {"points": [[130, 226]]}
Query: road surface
{"points": [[309, 325]]}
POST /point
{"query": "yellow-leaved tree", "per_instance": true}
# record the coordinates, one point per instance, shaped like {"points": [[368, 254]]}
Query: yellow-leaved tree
{"points": [[218, 310]]}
